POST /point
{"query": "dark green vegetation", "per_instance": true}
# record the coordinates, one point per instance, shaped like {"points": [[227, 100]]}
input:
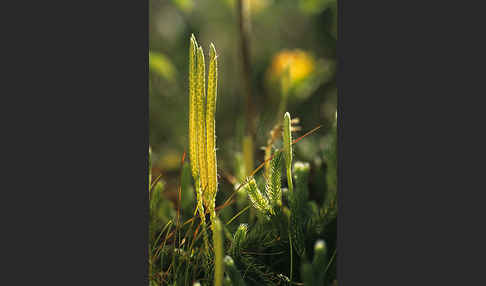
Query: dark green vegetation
{"points": [[258, 249], [290, 240]]}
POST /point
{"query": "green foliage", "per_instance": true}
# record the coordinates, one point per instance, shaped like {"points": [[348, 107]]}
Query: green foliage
{"points": [[319, 262], [233, 273], [160, 64], [161, 210], [290, 241], [329, 209], [184, 5], [316, 6], [273, 187], [315, 273], [257, 198], [331, 175], [238, 240], [298, 208], [308, 274], [187, 191], [255, 256]]}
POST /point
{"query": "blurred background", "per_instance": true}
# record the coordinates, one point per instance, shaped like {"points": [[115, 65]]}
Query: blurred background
{"points": [[273, 56]]}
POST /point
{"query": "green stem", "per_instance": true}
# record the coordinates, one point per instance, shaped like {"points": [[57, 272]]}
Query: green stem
{"points": [[205, 237], [238, 214], [289, 181], [218, 252], [291, 255], [281, 108]]}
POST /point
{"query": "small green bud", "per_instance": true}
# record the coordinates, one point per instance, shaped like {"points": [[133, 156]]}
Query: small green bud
{"points": [[233, 272], [319, 262], [238, 239]]}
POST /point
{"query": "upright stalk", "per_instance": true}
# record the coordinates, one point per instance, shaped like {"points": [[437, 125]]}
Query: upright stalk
{"points": [[212, 177], [287, 148], [201, 114], [218, 253], [196, 127]]}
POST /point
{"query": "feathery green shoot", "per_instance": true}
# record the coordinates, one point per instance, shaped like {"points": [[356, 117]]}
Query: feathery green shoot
{"points": [[258, 199], [273, 187], [238, 239], [298, 207]]}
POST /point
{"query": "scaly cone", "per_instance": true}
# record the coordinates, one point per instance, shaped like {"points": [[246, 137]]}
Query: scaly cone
{"points": [[212, 178]]}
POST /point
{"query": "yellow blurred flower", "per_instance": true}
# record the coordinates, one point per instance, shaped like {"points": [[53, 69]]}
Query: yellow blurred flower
{"points": [[300, 65], [256, 6]]}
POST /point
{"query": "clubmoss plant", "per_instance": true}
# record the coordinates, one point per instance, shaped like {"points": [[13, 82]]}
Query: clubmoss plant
{"points": [[196, 126], [287, 149], [212, 178], [274, 134], [202, 135]]}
